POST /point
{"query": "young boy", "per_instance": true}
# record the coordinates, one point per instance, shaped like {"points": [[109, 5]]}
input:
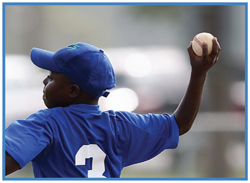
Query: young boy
{"points": [[74, 138]]}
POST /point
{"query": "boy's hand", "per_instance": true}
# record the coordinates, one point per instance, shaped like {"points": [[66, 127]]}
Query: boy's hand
{"points": [[200, 65]]}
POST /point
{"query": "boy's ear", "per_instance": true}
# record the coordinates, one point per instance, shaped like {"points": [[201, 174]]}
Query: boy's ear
{"points": [[75, 91]]}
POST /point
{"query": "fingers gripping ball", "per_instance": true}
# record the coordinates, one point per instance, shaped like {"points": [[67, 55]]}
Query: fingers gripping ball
{"points": [[201, 38]]}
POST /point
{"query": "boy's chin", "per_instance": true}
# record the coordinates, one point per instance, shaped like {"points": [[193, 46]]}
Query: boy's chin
{"points": [[47, 104]]}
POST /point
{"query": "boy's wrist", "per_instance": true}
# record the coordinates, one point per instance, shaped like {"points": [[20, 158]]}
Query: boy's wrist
{"points": [[198, 75]]}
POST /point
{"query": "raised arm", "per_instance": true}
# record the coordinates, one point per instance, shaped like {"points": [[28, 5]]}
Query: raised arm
{"points": [[188, 108]]}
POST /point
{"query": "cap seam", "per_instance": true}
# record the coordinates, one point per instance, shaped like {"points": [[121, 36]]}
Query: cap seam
{"points": [[92, 71]]}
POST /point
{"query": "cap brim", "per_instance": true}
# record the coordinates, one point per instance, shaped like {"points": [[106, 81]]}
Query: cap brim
{"points": [[44, 59]]}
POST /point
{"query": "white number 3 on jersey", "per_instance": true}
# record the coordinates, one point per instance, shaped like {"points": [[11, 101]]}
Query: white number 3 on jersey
{"points": [[92, 151]]}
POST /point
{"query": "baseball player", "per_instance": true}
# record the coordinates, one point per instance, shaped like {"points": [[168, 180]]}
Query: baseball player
{"points": [[74, 138]]}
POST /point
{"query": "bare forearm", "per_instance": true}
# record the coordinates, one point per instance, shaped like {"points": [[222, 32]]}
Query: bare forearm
{"points": [[10, 164], [188, 108]]}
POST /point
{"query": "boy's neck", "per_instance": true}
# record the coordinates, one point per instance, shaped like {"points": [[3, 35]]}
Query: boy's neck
{"points": [[92, 102], [85, 99]]}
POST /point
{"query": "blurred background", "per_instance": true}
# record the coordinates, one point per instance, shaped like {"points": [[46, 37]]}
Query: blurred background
{"points": [[147, 47]]}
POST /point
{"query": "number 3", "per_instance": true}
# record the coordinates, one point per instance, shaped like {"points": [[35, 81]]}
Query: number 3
{"points": [[92, 151]]}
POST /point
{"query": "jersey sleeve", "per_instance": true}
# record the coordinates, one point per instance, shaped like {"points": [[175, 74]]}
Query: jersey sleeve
{"points": [[142, 137], [25, 139]]}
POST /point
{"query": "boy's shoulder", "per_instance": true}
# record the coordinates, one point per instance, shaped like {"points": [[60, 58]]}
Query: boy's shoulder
{"points": [[45, 113], [70, 110]]}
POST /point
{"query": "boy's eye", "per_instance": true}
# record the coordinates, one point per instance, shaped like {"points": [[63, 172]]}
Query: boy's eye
{"points": [[49, 77]]}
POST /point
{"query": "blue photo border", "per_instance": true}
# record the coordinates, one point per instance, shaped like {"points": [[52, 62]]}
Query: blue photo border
{"points": [[126, 3]]}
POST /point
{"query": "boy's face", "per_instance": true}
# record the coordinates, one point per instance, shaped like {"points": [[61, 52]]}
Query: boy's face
{"points": [[56, 90]]}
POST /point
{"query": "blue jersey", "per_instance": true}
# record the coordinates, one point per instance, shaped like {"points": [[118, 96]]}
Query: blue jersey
{"points": [[83, 141]]}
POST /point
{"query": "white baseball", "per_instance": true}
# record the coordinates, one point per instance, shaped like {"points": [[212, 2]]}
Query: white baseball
{"points": [[201, 38]]}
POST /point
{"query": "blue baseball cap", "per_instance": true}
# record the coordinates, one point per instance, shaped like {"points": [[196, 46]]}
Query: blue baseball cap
{"points": [[84, 64]]}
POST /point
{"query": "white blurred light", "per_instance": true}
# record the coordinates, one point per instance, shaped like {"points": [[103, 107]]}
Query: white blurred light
{"points": [[137, 65], [238, 93], [16, 67], [122, 99]]}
